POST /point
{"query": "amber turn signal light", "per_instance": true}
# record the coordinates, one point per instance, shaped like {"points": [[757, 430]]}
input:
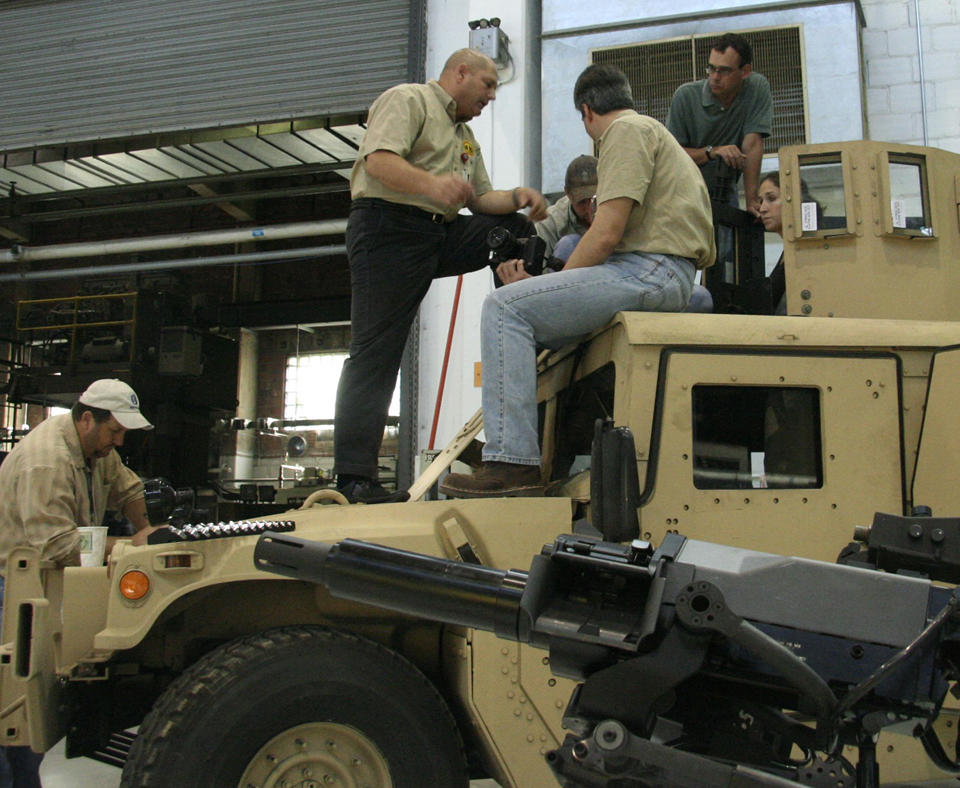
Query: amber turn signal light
{"points": [[134, 584]]}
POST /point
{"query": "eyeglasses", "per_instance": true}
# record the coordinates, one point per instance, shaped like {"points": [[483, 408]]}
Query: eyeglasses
{"points": [[723, 71]]}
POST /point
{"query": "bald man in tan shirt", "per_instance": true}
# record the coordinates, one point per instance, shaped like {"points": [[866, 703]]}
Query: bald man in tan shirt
{"points": [[419, 164]]}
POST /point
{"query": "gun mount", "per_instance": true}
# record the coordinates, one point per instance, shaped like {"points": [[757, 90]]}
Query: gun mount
{"points": [[700, 664]]}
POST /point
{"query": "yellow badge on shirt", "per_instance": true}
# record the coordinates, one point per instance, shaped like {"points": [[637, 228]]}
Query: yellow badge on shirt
{"points": [[468, 148]]}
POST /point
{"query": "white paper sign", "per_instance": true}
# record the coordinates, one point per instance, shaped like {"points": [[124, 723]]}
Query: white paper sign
{"points": [[808, 216], [896, 208]]}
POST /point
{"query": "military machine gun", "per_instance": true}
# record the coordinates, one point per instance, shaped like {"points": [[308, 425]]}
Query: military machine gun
{"points": [[700, 664]]}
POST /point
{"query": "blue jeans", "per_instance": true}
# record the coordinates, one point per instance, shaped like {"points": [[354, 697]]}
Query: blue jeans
{"points": [[19, 766], [553, 310]]}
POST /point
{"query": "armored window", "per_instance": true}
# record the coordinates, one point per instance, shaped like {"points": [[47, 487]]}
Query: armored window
{"points": [[756, 436], [822, 201], [656, 69], [909, 203]]}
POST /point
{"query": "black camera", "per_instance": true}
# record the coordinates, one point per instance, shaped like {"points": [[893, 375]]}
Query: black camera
{"points": [[532, 250]]}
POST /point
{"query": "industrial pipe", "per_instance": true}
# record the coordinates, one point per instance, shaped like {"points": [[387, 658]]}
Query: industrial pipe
{"points": [[167, 265], [19, 254], [923, 83]]}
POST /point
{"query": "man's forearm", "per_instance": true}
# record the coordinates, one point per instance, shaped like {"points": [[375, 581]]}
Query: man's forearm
{"points": [[136, 512], [397, 173], [599, 242], [699, 155], [591, 250], [499, 202], [496, 202]]}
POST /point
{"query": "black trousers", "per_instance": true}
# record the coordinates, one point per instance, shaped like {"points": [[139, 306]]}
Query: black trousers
{"points": [[395, 252]]}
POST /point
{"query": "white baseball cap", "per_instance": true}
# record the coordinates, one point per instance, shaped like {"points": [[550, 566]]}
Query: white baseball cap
{"points": [[117, 397]]}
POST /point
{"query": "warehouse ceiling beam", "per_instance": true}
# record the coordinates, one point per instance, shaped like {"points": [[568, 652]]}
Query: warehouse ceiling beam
{"points": [[251, 258]]}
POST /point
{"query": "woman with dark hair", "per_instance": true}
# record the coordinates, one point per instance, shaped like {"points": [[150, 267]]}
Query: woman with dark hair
{"points": [[769, 193], [770, 215]]}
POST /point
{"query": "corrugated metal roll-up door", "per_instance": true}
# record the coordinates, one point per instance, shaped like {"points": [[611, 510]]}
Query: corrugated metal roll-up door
{"points": [[82, 70]]}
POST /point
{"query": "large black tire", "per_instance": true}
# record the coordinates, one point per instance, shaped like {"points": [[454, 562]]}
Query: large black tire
{"points": [[299, 706]]}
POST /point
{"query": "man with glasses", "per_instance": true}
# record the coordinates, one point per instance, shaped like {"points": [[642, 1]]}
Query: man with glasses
{"points": [[724, 118]]}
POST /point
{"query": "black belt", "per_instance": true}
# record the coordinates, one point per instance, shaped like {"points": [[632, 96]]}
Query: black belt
{"points": [[396, 207]]}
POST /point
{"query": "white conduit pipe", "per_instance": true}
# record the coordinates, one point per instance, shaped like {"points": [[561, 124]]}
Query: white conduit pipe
{"points": [[923, 83], [166, 265], [211, 238]]}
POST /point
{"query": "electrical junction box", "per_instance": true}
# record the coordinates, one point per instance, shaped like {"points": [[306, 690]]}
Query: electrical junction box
{"points": [[492, 42]]}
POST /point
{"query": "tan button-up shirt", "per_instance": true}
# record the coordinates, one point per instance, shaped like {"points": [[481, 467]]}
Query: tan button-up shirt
{"points": [[641, 160], [418, 123], [47, 490]]}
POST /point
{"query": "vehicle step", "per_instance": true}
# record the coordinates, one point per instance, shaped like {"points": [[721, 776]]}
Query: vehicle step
{"points": [[117, 749]]}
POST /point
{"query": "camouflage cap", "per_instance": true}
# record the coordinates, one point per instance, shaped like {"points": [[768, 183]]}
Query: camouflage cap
{"points": [[581, 180]]}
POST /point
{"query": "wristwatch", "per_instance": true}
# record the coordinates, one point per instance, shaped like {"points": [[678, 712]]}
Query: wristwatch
{"points": [[707, 152]]}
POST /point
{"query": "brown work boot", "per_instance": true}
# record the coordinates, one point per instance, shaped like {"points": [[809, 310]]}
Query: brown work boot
{"points": [[494, 480]]}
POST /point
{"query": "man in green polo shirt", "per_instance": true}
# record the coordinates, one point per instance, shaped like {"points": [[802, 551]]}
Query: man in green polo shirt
{"points": [[724, 118], [417, 166]]}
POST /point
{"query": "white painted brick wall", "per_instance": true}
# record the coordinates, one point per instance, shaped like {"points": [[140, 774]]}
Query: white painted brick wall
{"points": [[935, 12], [905, 98], [903, 41], [885, 14], [948, 93], [894, 110]]}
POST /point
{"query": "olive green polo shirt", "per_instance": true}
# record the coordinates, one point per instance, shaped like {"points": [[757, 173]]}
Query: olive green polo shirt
{"points": [[697, 119], [418, 123], [641, 160]]}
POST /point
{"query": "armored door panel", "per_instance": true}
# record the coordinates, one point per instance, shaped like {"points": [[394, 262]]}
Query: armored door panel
{"points": [[29, 685], [782, 452], [935, 479]]}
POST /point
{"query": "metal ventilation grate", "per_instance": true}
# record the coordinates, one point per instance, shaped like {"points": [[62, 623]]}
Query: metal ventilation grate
{"points": [[658, 68], [655, 71]]}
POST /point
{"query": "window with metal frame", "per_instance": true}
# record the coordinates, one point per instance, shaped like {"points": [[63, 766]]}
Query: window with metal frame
{"points": [[310, 386], [756, 436], [909, 196]]}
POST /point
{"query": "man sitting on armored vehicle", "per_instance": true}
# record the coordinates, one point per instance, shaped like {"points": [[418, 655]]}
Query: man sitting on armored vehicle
{"points": [[651, 233]]}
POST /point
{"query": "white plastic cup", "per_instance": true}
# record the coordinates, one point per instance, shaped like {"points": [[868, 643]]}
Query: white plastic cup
{"points": [[93, 545]]}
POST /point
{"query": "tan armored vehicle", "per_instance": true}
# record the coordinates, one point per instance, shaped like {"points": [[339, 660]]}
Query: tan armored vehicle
{"points": [[777, 433]]}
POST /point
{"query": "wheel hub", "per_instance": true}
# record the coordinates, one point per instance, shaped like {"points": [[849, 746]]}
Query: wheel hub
{"points": [[318, 755]]}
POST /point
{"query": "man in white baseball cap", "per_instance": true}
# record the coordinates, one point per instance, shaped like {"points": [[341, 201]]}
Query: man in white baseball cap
{"points": [[118, 398], [65, 474]]}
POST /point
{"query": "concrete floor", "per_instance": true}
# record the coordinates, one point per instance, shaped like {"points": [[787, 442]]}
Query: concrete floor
{"points": [[57, 771]]}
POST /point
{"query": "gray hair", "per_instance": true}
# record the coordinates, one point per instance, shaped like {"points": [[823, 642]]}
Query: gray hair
{"points": [[603, 88]]}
